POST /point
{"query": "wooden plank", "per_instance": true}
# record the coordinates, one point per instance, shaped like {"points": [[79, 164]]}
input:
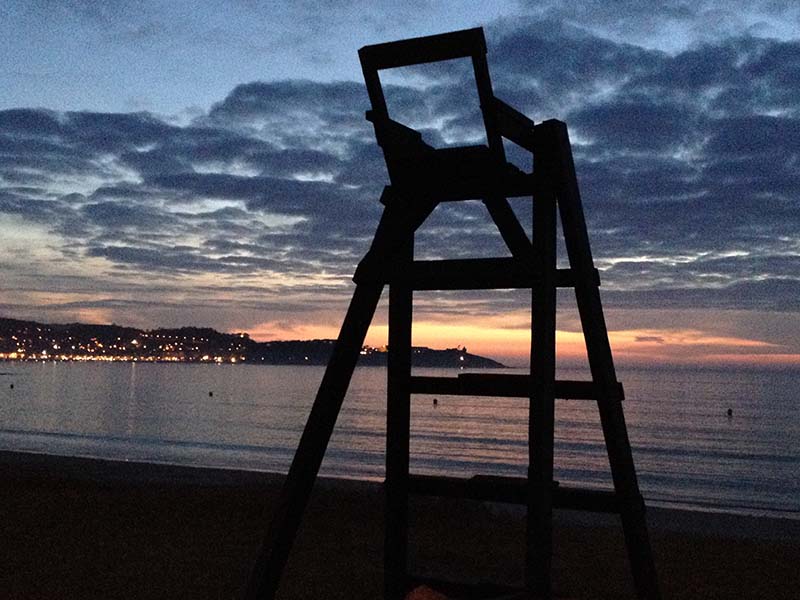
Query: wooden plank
{"points": [[504, 386], [432, 48], [601, 363], [509, 112], [512, 490], [511, 231], [480, 68], [514, 125], [375, 92], [398, 415], [392, 134], [470, 274], [496, 203], [541, 424]]}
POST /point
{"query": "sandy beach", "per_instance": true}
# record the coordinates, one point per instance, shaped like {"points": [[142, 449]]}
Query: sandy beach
{"points": [[85, 528]]}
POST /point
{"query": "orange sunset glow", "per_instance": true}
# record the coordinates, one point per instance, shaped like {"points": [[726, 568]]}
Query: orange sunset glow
{"points": [[511, 345]]}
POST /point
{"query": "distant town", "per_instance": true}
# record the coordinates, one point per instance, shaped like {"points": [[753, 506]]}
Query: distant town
{"points": [[32, 341]]}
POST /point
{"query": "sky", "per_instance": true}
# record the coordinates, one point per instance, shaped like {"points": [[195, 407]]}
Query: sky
{"points": [[182, 163]]}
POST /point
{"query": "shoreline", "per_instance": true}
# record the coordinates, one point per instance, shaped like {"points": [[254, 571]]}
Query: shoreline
{"points": [[82, 528], [143, 473], [164, 470]]}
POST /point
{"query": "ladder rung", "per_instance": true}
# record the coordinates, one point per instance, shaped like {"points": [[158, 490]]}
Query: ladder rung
{"points": [[470, 274], [510, 386], [511, 490], [475, 274]]}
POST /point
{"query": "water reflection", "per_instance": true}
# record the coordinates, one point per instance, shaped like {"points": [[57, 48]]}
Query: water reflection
{"points": [[686, 447]]}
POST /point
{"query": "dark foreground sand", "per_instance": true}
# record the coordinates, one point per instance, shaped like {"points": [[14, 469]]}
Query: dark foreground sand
{"points": [[85, 529]]}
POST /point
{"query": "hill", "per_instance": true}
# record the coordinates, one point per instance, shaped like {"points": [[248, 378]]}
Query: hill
{"points": [[29, 340]]}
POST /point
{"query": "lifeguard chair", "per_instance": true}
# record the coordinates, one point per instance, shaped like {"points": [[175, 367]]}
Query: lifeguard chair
{"points": [[421, 177]]}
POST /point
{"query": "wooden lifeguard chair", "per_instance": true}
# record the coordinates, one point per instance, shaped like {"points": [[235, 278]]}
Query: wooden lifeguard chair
{"points": [[421, 177]]}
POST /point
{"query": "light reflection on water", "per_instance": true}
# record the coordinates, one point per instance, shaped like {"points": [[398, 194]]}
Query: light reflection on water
{"points": [[687, 449]]}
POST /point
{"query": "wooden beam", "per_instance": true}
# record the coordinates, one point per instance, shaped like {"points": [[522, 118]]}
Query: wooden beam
{"points": [[557, 151], [466, 274], [496, 200], [391, 134], [432, 48], [398, 423], [514, 125], [505, 386], [510, 228], [541, 422]]}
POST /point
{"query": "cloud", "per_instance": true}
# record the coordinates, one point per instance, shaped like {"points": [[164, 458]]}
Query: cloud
{"points": [[688, 164], [291, 112], [672, 23]]}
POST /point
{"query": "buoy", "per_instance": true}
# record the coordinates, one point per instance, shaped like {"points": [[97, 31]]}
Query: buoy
{"points": [[435, 401], [210, 394], [730, 412], [12, 386]]}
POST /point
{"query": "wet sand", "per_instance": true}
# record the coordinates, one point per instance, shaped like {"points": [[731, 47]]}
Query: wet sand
{"points": [[85, 528]]}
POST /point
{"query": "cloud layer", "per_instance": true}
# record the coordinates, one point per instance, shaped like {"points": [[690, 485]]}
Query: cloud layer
{"points": [[689, 164]]}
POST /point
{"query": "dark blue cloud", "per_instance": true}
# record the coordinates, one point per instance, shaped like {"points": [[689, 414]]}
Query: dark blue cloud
{"points": [[639, 125]]}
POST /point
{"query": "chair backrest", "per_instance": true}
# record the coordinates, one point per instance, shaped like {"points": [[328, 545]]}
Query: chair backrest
{"points": [[467, 43]]}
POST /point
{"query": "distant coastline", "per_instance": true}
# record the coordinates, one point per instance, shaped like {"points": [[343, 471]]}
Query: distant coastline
{"points": [[33, 341]]}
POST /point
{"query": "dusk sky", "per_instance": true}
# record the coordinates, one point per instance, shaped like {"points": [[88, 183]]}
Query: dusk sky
{"points": [[182, 163]]}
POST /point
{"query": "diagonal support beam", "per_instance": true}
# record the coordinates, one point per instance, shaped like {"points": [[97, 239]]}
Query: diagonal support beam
{"points": [[510, 228]]}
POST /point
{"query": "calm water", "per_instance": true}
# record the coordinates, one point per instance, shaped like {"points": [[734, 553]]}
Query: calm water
{"points": [[687, 451]]}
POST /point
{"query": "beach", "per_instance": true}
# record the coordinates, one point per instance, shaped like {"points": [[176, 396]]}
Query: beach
{"points": [[88, 528]]}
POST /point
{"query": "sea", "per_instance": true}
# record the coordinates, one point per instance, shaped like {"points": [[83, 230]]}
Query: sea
{"points": [[689, 452]]}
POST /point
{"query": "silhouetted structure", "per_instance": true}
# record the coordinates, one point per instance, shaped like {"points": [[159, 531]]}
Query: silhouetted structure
{"points": [[421, 177]]}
